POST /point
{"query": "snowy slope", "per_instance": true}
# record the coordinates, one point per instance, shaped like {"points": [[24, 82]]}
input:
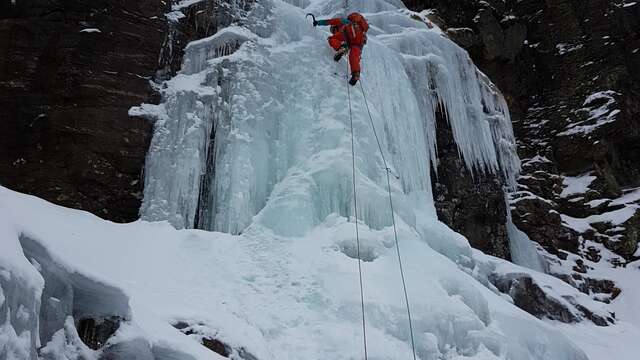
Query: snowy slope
{"points": [[279, 280], [283, 297]]}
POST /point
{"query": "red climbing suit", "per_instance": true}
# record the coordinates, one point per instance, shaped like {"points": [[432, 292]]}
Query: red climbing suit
{"points": [[352, 32]]}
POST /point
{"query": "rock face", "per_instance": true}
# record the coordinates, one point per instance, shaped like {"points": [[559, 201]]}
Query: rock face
{"points": [[69, 72], [471, 204], [567, 69], [531, 297]]}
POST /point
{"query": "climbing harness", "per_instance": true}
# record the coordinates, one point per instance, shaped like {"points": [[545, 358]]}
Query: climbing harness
{"points": [[395, 232]]}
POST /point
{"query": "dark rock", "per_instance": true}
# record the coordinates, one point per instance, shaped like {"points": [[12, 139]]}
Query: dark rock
{"points": [[202, 333], [627, 243], [548, 58], [532, 298], [216, 346], [580, 267], [474, 206], [65, 134], [95, 332], [527, 295], [596, 319], [464, 37]]}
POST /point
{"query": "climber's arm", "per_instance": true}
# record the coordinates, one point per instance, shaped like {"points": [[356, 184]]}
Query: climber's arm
{"points": [[333, 22]]}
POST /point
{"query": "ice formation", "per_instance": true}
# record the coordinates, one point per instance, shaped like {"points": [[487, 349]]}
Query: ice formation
{"points": [[272, 116], [252, 141]]}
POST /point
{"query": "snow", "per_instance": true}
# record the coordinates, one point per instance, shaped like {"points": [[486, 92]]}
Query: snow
{"points": [[12, 345], [630, 196], [175, 16], [538, 159], [576, 184], [183, 4], [600, 110], [66, 345], [618, 341], [552, 287], [567, 48], [294, 297], [90, 30], [615, 217]]}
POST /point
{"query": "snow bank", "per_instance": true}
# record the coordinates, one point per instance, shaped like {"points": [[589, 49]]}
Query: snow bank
{"points": [[286, 297], [576, 184]]}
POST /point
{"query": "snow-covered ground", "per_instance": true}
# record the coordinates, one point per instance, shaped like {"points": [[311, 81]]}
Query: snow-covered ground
{"points": [[278, 280], [280, 297], [612, 342]]}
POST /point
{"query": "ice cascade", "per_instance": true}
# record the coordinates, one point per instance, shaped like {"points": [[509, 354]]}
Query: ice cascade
{"points": [[271, 117]]}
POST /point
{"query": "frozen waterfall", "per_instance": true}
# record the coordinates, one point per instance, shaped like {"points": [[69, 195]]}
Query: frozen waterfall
{"points": [[271, 117], [252, 139]]}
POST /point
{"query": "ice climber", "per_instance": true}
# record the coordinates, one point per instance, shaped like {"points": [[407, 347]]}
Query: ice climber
{"points": [[348, 35]]}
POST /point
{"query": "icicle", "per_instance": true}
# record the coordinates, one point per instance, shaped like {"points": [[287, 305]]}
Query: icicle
{"points": [[275, 127]]}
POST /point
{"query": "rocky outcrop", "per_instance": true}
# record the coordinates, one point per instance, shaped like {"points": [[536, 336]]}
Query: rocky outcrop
{"points": [[74, 313], [69, 73], [532, 297], [208, 338], [72, 72], [471, 204], [567, 69]]}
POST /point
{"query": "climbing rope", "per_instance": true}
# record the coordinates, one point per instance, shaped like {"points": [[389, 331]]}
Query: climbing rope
{"points": [[347, 5], [393, 219], [355, 206]]}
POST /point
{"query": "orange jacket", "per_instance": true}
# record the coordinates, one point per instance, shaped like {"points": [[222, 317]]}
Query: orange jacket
{"points": [[354, 28]]}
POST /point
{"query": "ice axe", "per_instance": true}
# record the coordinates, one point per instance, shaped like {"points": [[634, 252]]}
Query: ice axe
{"points": [[315, 23]]}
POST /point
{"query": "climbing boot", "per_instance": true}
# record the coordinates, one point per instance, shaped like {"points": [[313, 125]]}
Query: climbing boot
{"points": [[340, 52], [355, 76]]}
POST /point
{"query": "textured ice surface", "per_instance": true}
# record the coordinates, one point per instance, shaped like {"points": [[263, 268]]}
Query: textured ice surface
{"points": [[523, 249], [281, 141]]}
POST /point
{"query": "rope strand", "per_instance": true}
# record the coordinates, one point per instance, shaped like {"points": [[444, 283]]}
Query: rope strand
{"points": [[355, 206], [393, 219]]}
